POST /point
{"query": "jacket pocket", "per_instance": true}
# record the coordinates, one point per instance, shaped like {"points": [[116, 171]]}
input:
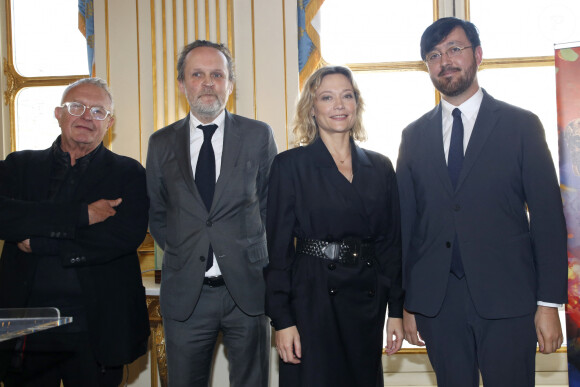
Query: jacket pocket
{"points": [[172, 261], [257, 252]]}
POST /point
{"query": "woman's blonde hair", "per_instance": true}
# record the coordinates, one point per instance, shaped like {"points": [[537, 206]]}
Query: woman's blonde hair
{"points": [[304, 126]]}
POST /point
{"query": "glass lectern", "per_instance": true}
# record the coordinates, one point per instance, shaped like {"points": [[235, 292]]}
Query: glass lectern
{"points": [[20, 322]]}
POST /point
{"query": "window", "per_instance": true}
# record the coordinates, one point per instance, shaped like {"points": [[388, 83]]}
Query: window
{"points": [[379, 41], [42, 59]]}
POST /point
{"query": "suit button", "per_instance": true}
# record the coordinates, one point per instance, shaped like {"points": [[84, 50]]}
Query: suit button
{"points": [[209, 223], [331, 266], [369, 263], [448, 244], [57, 234], [202, 258], [52, 234], [371, 293], [332, 291], [72, 260], [456, 207], [271, 323]]}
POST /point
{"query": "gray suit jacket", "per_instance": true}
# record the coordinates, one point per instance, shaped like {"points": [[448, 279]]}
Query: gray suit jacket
{"points": [[235, 224], [510, 261]]}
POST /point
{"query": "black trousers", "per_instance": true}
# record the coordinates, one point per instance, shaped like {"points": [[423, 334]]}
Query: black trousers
{"points": [[48, 358], [461, 344]]}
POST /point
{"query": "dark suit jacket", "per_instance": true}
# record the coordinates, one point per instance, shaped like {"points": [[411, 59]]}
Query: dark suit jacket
{"points": [[310, 198], [510, 261], [235, 224], [339, 309], [103, 255]]}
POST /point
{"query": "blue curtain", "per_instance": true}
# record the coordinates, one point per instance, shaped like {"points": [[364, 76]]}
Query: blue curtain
{"points": [[309, 58], [87, 27]]}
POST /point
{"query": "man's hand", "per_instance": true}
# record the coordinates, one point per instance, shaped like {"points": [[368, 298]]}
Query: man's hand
{"points": [[288, 345], [548, 329], [25, 246], [410, 328], [394, 328], [102, 209]]}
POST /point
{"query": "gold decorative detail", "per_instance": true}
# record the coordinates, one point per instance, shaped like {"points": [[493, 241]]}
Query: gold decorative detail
{"points": [[139, 83], [154, 64], [498, 63], [254, 62], [388, 66], [196, 19], [175, 89], [231, 104], [158, 354], [217, 20], [285, 72], [207, 20], [164, 34], [108, 139]]}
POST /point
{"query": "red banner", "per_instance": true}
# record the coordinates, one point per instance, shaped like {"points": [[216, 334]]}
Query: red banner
{"points": [[568, 100]]}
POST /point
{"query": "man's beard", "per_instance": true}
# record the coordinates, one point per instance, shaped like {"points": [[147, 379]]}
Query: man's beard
{"points": [[453, 88], [207, 109]]}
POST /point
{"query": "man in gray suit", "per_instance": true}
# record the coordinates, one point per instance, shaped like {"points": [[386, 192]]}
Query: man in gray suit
{"points": [[484, 236], [207, 178]]}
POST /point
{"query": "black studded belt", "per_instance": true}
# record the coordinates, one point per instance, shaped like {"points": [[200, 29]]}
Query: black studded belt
{"points": [[214, 282], [347, 251]]}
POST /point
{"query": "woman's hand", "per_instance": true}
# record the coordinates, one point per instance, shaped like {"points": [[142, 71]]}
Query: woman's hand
{"points": [[288, 345], [394, 328]]}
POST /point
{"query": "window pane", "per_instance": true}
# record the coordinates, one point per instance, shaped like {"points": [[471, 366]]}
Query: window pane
{"points": [[393, 100], [373, 30], [520, 28], [48, 42], [36, 127], [532, 88]]}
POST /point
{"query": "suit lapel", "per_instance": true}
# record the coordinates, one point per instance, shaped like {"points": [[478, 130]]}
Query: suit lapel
{"points": [[364, 177], [183, 158], [321, 158], [484, 125], [230, 154]]}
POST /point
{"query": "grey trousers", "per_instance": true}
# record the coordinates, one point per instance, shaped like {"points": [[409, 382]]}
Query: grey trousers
{"points": [[190, 344]]}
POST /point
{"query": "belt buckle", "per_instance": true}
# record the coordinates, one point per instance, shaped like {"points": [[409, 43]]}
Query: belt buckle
{"points": [[332, 251], [351, 251]]}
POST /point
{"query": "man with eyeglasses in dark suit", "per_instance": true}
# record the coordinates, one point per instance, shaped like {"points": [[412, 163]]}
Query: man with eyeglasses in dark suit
{"points": [[483, 230], [72, 217]]}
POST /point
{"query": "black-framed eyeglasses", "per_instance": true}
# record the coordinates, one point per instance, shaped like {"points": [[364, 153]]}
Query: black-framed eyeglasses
{"points": [[435, 56], [77, 109]]}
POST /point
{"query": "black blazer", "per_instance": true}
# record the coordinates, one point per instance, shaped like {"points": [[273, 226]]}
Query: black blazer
{"points": [[309, 198], [510, 262], [104, 255]]}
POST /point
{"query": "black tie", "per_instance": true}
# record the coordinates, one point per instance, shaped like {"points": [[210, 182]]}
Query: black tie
{"points": [[454, 164], [205, 176], [455, 157]]}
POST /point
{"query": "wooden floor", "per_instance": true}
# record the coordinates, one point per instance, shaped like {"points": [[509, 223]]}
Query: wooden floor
{"points": [[414, 370]]}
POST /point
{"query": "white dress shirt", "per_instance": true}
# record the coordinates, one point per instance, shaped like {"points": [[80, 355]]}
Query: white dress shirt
{"points": [[217, 142], [469, 110]]}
